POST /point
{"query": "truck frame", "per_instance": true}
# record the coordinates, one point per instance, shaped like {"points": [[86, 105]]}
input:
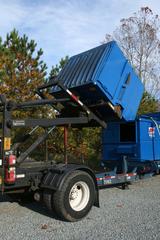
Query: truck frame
{"points": [[69, 190]]}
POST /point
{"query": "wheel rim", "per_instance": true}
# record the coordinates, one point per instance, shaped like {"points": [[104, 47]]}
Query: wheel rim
{"points": [[79, 196]]}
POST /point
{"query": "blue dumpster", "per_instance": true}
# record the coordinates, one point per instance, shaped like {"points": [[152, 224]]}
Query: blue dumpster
{"points": [[138, 140], [105, 81]]}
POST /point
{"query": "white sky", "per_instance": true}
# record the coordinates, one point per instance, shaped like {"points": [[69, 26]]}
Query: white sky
{"points": [[67, 27]]}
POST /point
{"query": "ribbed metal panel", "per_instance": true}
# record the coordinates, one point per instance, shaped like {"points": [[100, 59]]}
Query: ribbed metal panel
{"points": [[80, 68]]}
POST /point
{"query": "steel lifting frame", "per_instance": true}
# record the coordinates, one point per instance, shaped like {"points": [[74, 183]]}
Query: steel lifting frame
{"points": [[8, 122]]}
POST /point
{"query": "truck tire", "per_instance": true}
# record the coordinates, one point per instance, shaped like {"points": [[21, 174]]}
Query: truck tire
{"points": [[47, 198], [76, 196]]}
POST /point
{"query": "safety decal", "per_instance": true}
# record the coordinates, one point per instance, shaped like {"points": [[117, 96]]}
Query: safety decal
{"points": [[151, 131]]}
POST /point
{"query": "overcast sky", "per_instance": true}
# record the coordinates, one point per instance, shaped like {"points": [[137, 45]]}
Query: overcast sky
{"points": [[67, 27]]}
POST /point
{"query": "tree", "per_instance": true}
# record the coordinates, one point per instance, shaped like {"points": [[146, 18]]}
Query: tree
{"points": [[21, 67], [148, 104], [138, 37], [21, 72], [58, 67]]}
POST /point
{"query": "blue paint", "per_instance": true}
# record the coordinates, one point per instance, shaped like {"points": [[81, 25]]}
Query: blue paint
{"points": [[103, 74], [143, 143]]}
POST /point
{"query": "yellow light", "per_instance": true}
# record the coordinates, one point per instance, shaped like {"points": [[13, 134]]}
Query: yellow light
{"points": [[7, 143], [0, 180]]}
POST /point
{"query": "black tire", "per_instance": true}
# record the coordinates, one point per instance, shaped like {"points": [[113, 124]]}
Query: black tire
{"points": [[47, 198], [61, 199]]}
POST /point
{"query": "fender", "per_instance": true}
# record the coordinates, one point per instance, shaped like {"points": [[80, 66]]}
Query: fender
{"points": [[55, 177]]}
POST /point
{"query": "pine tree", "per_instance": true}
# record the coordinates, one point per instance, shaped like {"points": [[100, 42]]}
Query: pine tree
{"points": [[21, 67], [58, 67]]}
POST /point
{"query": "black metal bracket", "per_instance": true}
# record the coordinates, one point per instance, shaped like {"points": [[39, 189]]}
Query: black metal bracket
{"points": [[45, 122], [13, 106], [53, 82]]}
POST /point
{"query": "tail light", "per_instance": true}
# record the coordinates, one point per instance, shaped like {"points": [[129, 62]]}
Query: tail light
{"points": [[10, 169]]}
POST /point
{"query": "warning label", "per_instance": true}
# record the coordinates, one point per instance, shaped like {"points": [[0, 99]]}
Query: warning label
{"points": [[151, 131]]}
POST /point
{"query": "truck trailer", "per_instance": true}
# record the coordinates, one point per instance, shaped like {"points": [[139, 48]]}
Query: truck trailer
{"points": [[96, 88]]}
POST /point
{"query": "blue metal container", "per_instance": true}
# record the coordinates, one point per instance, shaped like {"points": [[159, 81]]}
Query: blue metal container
{"points": [[139, 140], [105, 81]]}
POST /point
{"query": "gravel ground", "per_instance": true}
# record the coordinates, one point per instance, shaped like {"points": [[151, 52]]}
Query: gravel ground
{"points": [[124, 214]]}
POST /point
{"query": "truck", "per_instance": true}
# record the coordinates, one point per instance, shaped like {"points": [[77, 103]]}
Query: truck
{"points": [[96, 88]]}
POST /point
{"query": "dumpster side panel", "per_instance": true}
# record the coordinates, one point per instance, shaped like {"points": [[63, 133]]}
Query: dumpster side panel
{"points": [[118, 81], [149, 140], [139, 140], [118, 140]]}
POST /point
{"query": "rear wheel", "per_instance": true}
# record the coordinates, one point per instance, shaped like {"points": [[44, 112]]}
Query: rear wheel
{"points": [[76, 196]]}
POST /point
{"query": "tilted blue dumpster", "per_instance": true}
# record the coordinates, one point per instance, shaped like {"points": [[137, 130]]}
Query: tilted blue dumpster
{"points": [[105, 81]]}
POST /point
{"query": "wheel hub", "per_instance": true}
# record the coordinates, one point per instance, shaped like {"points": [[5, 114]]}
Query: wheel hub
{"points": [[79, 196], [75, 192]]}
